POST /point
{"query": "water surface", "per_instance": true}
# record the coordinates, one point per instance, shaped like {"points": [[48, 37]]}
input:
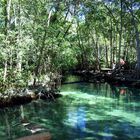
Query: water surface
{"points": [[85, 112]]}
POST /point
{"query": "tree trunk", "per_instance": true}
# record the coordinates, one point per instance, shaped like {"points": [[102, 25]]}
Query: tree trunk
{"points": [[5, 71], [114, 46], [135, 23], [36, 73], [97, 53], [7, 7], [19, 50], [106, 53], [138, 53], [120, 32], [111, 46]]}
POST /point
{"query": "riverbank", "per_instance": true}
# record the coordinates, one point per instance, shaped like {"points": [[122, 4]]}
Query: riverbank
{"points": [[13, 96], [125, 78], [91, 76], [128, 81]]}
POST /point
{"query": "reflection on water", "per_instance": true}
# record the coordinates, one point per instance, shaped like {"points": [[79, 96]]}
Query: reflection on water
{"points": [[85, 112], [76, 118]]}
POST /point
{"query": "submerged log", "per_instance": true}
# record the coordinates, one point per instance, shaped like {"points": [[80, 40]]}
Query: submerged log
{"points": [[42, 136]]}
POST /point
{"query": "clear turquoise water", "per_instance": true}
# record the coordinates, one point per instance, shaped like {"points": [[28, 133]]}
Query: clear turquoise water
{"points": [[85, 112]]}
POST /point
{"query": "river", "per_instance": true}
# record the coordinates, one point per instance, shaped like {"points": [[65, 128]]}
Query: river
{"points": [[86, 111]]}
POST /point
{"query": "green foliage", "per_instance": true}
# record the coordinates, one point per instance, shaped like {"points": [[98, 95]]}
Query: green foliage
{"points": [[39, 37]]}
